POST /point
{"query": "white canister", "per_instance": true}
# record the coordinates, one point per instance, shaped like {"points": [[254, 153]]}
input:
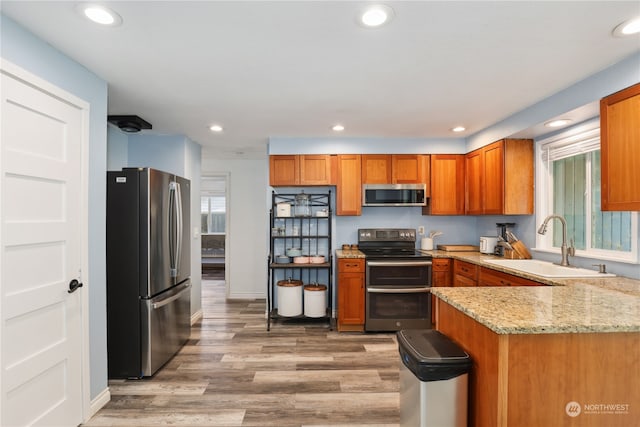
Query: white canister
{"points": [[315, 300], [283, 210], [289, 298], [488, 244], [426, 244]]}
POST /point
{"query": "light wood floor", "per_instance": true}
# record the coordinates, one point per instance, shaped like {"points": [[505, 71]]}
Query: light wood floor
{"points": [[232, 372]]}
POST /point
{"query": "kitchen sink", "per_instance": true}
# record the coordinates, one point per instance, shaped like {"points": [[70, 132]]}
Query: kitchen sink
{"points": [[547, 269]]}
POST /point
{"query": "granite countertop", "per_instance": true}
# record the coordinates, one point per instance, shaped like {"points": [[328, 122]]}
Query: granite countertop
{"points": [[351, 253], [584, 305], [582, 308], [617, 283], [608, 304]]}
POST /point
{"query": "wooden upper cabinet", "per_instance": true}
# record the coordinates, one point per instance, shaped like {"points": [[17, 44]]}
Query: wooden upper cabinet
{"points": [[409, 168], [447, 185], [473, 183], [499, 178], [376, 168], [348, 184], [620, 150], [315, 169], [395, 169], [494, 178], [285, 170]]}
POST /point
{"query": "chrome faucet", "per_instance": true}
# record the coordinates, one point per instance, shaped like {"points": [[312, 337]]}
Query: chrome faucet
{"points": [[564, 250]]}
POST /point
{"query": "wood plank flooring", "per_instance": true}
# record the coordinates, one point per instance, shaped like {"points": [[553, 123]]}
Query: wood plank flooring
{"points": [[232, 372]]}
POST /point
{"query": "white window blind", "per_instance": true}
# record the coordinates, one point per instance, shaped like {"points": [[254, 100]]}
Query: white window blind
{"points": [[583, 142]]}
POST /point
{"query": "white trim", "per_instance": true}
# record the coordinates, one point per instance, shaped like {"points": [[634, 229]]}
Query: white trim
{"points": [[227, 220], [247, 296], [98, 403], [583, 136], [33, 80], [195, 317]]}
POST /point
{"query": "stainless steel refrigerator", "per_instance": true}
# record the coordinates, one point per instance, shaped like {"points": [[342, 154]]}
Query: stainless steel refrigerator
{"points": [[148, 270]]}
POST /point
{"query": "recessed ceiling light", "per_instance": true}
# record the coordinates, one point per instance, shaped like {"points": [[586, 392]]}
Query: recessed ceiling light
{"points": [[338, 128], [459, 129], [627, 28], [215, 128], [376, 15], [557, 123], [99, 14]]}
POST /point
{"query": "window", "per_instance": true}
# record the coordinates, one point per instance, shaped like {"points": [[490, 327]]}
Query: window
{"points": [[570, 165], [213, 214], [213, 205]]}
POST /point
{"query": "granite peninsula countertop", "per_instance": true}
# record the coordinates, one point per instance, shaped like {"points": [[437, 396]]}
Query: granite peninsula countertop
{"points": [[546, 309], [585, 305]]}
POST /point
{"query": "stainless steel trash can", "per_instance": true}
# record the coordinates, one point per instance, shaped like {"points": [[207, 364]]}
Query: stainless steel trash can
{"points": [[434, 375]]}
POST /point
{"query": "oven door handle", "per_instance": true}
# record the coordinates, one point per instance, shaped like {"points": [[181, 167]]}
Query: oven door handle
{"points": [[398, 290], [398, 263]]}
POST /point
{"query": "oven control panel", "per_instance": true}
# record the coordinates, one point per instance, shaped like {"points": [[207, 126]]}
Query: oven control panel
{"points": [[386, 235]]}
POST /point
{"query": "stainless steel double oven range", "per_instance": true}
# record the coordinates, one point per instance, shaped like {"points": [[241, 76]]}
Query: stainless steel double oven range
{"points": [[397, 278]]}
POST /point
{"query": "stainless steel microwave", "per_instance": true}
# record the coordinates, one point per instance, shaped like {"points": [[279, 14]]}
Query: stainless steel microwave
{"points": [[394, 195]]}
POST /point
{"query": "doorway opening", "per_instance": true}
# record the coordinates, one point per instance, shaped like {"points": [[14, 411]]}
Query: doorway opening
{"points": [[213, 226]]}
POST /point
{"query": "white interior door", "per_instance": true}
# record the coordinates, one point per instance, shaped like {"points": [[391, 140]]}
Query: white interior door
{"points": [[41, 232]]}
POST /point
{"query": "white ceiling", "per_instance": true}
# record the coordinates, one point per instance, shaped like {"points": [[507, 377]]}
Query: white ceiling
{"points": [[294, 68]]}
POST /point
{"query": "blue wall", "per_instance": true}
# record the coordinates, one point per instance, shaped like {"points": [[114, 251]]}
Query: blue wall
{"points": [[170, 153], [34, 55], [468, 229], [619, 76], [166, 153]]}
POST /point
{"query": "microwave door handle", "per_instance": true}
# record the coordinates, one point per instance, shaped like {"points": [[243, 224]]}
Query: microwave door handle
{"points": [[398, 290]]}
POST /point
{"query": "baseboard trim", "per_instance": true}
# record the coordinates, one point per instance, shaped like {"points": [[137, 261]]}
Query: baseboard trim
{"points": [[196, 316], [247, 296], [100, 400]]}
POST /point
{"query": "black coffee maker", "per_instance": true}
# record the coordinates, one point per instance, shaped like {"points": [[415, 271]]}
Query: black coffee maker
{"points": [[503, 227]]}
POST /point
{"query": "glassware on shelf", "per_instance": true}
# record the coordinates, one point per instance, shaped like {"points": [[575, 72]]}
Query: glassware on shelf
{"points": [[303, 205]]}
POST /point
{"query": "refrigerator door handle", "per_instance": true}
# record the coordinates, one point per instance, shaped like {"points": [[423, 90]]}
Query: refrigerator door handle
{"points": [[179, 291], [172, 228], [179, 227]]}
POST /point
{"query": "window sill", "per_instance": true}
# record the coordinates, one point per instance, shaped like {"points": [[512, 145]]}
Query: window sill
{"points": [[583, 254]]}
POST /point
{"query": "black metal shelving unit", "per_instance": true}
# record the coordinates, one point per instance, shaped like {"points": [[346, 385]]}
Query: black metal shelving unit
{"points": [[311, 233]]}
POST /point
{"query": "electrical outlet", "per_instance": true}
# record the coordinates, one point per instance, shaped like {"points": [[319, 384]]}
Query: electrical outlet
{"points": [[421, 230]]}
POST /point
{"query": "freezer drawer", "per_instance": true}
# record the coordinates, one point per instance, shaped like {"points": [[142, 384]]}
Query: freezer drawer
{"points": [[165, 326]]}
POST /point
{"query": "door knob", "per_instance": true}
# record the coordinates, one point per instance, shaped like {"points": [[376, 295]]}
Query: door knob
{"points": [[74, 285]]}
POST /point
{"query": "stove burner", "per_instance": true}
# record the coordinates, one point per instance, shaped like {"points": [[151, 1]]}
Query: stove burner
{"points": [[389, 243], [390, 252]]}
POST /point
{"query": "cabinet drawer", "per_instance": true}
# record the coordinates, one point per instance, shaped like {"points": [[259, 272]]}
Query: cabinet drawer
{"points": [[350, 265], [441, 264], [466, 269], [490, 277], [463, 281]]}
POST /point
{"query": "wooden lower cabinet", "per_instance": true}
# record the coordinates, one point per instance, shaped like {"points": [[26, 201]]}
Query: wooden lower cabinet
{"points": [[528, 379], [440, 276], [464, 273], [351, 294], [490, 277]]}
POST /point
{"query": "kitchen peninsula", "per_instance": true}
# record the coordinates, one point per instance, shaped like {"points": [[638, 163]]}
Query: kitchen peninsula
{"points": [[548, 355]]}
